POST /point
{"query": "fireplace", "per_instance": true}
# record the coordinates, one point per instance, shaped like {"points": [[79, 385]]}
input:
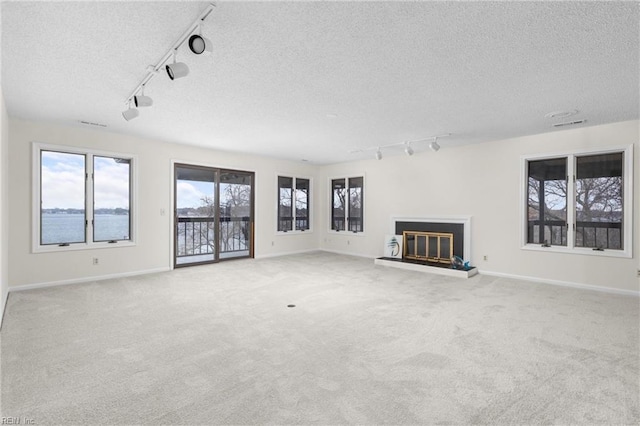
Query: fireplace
{"points": [[429, 243]]}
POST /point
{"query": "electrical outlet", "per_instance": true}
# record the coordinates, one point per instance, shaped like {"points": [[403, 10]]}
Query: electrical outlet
{"points": [[638, 272], [485, 257], [348, 242], [95, 261], [273, 243]]}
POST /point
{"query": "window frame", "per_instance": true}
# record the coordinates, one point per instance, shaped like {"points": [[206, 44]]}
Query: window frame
{"points": [[294, 178], [346, 179], [89, 243], [571, 248]]}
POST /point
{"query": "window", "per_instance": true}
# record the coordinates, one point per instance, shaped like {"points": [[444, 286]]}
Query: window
{"points": [[111, 198], [285, 204], [63, 188], [293, 204], [599, 201], [547, 203], [580, 202], [339, 205], [347, 201], [83, 198], [302, 204]]}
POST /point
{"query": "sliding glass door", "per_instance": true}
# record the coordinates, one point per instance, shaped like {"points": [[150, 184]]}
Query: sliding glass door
{"points": [[213, 214], [236, 224]]}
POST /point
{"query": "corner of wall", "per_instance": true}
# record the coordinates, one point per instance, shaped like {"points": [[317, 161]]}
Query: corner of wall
{"points": [[4, 206]]}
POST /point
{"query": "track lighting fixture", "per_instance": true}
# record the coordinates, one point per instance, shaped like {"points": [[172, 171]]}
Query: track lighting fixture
{"points": [[408, 150], [141, 100], [130, 113], [198, 44], [177, 69]]}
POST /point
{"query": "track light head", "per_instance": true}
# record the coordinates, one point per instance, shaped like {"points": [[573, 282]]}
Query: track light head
{"points": [[142, 101], [408, 150], [200, 45], [378, 154], [177, 69], [130, 113], [434, 146]]}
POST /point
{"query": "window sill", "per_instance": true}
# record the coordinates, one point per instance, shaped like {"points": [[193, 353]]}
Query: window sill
{"points": [[297, 232], [346, 233], [82, 246], [579, 251]]}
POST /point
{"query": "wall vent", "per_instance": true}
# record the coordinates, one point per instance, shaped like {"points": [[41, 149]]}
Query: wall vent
{"points": [[90, 123], [569, 123]]}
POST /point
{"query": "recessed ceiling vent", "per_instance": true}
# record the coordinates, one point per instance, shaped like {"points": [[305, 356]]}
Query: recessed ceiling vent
{"points": [[90, 123], [561, 114], [569, 123]]}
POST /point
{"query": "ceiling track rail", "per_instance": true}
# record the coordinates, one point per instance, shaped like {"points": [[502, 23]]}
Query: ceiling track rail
{"points": [[153, 69]]}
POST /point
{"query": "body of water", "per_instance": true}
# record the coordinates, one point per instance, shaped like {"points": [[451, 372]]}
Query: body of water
{"points": [[69, 228]]}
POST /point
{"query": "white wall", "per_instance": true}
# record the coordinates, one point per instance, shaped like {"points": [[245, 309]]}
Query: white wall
{"points": [[153, 251], [483, 181], [4, 205]]}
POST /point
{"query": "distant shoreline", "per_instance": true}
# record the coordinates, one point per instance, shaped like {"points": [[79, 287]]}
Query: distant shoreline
{"points": [[115, 212]]}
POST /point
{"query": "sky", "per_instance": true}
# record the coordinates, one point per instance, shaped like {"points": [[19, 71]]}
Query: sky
{"points": [[63, 182], [190, 193]]}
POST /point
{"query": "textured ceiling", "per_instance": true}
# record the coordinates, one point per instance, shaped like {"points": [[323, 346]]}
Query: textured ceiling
{"points": [[316, 80]]}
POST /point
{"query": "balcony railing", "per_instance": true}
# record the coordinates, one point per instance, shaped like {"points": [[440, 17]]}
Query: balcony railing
{"points": [[354, 224], [286, 223], [554, 232], [196, 236], [600, 235]]}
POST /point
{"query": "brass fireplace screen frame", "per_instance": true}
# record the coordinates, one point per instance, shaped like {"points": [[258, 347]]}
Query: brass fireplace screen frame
{"points": [[437, 255]]}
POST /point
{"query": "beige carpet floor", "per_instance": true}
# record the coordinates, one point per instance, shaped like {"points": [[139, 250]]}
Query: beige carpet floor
{"points": [[364, 344]]}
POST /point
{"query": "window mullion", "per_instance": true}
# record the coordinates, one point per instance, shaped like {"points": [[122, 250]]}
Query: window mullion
{"points": [[293, 203], [40, 197], [347, 204], [571, 201], [89, 199]]}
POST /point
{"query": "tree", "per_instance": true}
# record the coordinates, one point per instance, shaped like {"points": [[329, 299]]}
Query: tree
{"points": [[235, 203], [598, 199]]}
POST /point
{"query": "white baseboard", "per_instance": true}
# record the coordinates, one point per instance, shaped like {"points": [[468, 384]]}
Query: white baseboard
{"points": [[5, 297], [562, 283], [166, 269], [347, 253], [87, 279], [289, 253]]}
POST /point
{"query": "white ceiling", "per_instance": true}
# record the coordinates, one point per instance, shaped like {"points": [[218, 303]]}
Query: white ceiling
{"points": [[316, 80]]}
